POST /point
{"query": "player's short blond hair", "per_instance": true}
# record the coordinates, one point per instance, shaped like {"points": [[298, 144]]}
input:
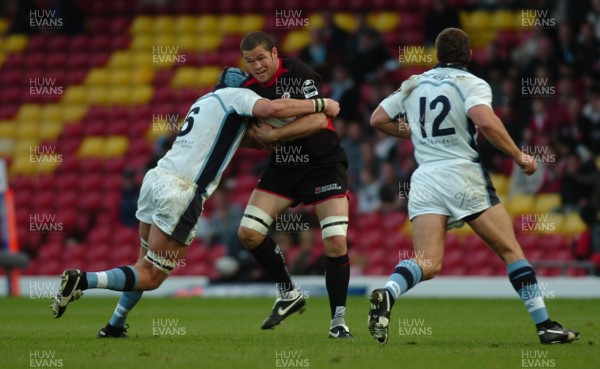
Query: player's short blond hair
{"points": [[453, 46]]}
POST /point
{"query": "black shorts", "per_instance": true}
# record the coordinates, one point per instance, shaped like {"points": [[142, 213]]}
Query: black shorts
{"points": [[307, 185]]}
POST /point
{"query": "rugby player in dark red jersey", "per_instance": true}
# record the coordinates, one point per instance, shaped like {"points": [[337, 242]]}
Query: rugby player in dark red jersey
{"points": [[307, 166]]}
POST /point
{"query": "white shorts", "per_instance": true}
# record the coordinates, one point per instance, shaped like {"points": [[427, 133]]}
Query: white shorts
{"points": [[167, 201], [456, 188]]}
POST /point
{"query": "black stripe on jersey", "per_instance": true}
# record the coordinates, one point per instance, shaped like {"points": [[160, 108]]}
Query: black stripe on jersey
{"points": [[472, 129], [489, 188], [230, 130]]}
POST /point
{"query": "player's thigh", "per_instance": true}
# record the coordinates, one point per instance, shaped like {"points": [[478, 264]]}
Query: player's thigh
{"points": [[495, 228], [429, 231], [271, 204], [144, 235], [258, 216]]}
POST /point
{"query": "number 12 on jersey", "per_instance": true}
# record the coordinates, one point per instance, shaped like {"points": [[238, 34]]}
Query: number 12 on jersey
{"points": [[436, 131]]}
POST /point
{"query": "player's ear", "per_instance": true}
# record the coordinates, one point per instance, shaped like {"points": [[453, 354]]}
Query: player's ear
{"points": [[470, 54], [274, 52]]}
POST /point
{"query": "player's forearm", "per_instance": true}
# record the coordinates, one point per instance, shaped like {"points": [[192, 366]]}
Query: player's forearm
{"points": [[301, 127], [287, 108], [396, 129]]}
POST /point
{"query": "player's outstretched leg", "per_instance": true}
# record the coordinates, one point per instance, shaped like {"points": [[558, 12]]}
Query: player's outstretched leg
{"points": [[428, 240], [258, 216], [495, 228]]}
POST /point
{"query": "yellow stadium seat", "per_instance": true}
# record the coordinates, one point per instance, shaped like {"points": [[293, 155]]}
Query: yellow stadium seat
{"points": [[573, 225], [15, 43], [187, 41], [520, 204], [500, 182], [142, 75], [120, 77], [6, 145], [184, 76], [208, 42], [163, 25], [554, 221], [207, 76], [228, 24], [143, 42], [167, 43], [30, 111], [184, 25], [295, 41], [346, 21], [73, 112], [3, 25], [315, 20], [50, 130], [98, 77], [28, 129], [503, 19], [92, 146], [142, 24], [547, 202], [384, 21], [207, 24], [598, 162], [477, 20], [145, 59], [99, 95], [120, 95], [52, 112], [8, 129], [115, 146], [75, 95], [141, 94], [250, 23], [23, 166], [121, 59]]}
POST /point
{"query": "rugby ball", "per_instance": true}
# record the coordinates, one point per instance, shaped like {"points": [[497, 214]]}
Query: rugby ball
{"points": [[276, 122]]}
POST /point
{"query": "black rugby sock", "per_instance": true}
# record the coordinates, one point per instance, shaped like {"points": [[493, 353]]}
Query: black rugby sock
{"points": [[270, 257], [337, 277]]}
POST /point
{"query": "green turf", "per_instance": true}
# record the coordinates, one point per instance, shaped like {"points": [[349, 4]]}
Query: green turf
{"points": [[225, 333]]}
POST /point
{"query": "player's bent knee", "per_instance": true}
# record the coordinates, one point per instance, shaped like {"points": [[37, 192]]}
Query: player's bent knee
{"points": [[335, 246], [249, 237], [254, 226]]}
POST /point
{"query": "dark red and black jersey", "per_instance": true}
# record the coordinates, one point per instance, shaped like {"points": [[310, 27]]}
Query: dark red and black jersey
{"points": [[296, 80]]}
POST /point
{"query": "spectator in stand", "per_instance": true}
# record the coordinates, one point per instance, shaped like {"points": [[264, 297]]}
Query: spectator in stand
{"points": [[368, 193], [578, 180], [130, 191], [540, 126], [344, 90], [351, 143], [389, 191], [587, 49], [316, 53], [337, 39], [439, 17], [590, 124]]}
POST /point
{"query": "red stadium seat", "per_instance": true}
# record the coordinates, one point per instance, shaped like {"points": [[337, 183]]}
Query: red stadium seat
{"points": [[553, 242]]}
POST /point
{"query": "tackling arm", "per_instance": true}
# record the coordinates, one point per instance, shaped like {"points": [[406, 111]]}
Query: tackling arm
{"points": [[286, 108], [301, 127]]}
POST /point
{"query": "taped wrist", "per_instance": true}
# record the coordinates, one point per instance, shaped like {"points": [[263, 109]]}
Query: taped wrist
{"points": [[319, 105]]}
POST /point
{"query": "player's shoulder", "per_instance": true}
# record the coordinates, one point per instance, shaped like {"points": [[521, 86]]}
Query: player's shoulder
{"points": [[299, 68]]}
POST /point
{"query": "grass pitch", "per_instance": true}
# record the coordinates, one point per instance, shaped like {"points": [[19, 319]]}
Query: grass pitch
{"points": [[225, 333]]}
